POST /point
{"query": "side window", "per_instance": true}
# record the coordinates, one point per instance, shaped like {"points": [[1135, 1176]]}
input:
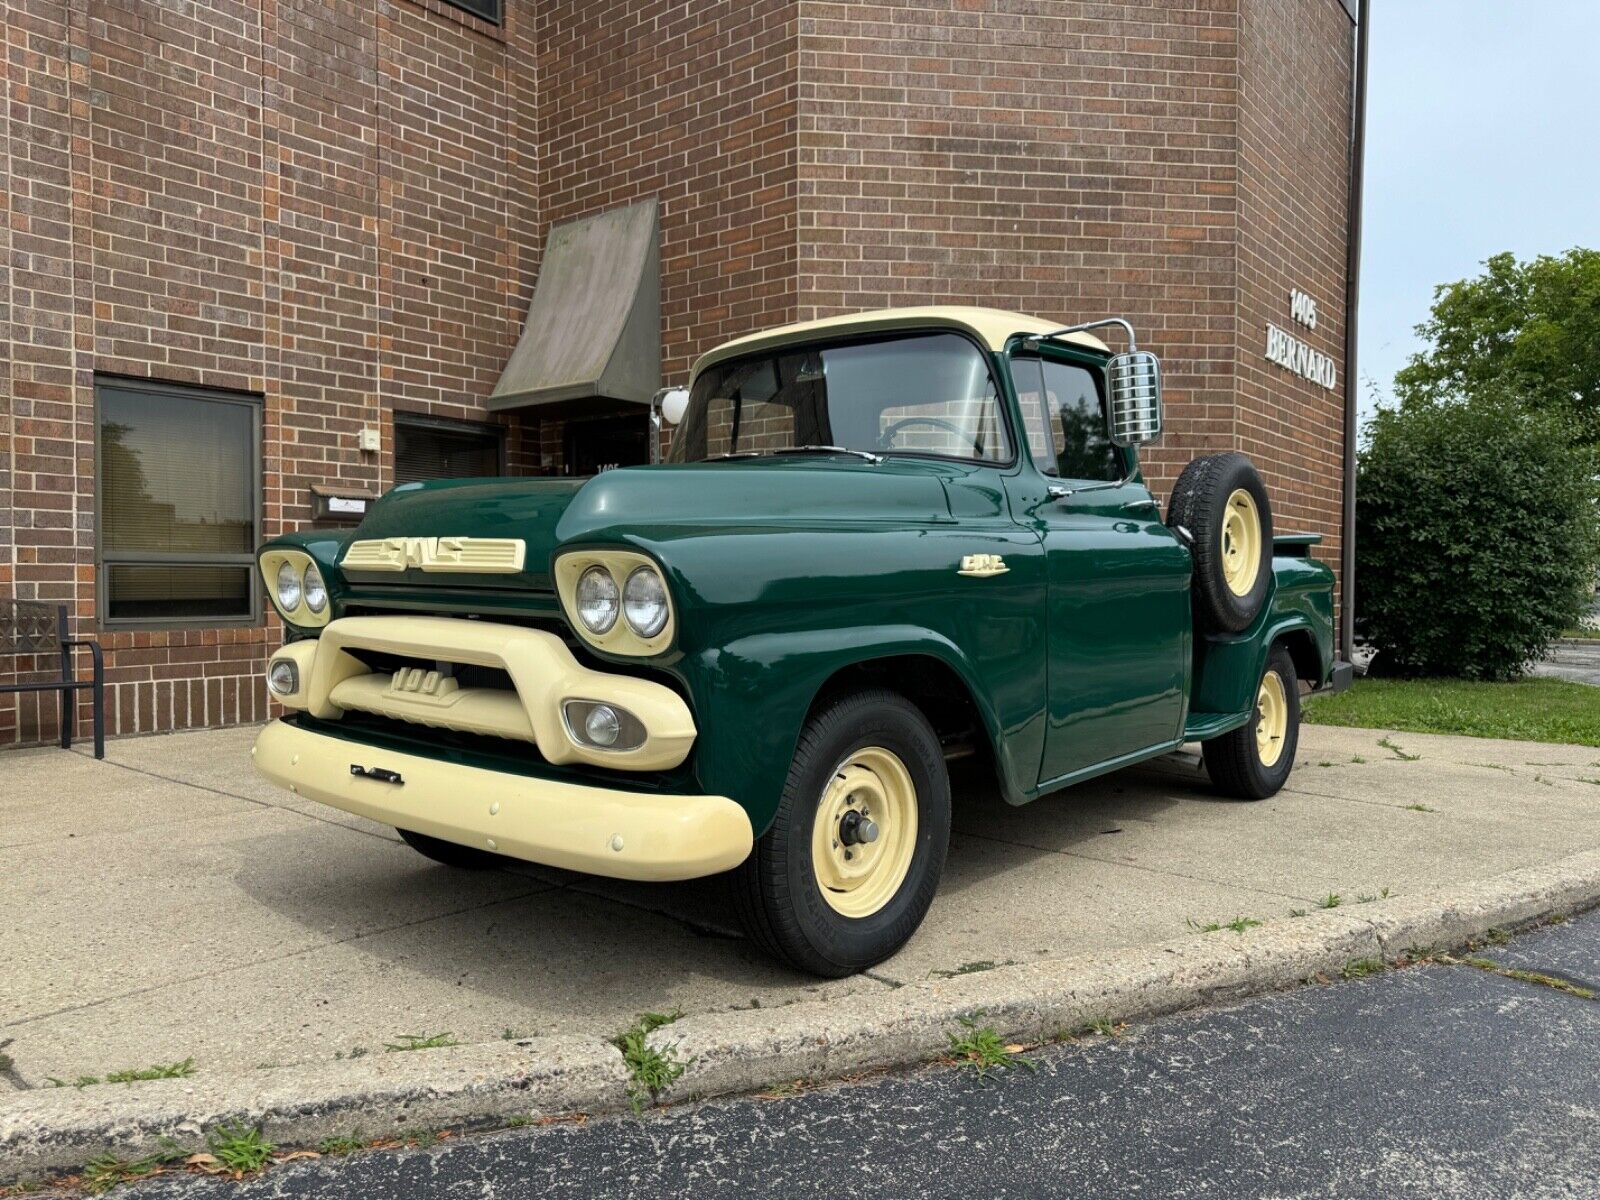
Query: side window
{"points": [[1065, 418]]}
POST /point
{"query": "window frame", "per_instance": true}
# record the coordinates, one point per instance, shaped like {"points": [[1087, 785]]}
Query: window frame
{"points": [[427, 421], [104, 559], [471, 7], [1065, 356], [1007, 420]]}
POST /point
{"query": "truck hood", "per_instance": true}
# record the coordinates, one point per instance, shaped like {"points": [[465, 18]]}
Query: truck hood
{"points": [[633, 505]]}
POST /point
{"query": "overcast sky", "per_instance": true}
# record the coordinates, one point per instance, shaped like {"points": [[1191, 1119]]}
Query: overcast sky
{"points": [[1483, 134]]}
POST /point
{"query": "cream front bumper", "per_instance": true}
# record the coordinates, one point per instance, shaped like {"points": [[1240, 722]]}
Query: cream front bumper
{"points": [[332, 678], [597, 830]]}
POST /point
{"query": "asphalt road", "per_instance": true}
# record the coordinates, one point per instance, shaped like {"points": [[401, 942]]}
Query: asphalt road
{"points": [[1578, 661], [1433, 1081]]}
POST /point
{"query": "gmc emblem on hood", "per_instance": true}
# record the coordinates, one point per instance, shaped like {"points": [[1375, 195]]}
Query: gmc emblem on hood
{"points": [[459, 555]]}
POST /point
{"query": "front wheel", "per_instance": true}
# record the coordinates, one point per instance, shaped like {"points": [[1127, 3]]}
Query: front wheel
{"points": [[850, 864], [1254, 761]]}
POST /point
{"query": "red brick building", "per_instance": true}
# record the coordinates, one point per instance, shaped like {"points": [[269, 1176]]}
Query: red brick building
{"points": [[241, 238]]}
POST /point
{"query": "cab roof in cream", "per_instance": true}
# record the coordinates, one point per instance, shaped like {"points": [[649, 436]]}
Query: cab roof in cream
{"points": [[992, 326]]}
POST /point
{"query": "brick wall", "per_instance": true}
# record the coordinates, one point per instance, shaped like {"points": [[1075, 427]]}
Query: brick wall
{"points": [[1069, 160], [693, 104], [1295, 67], [339, 205], [1180, 163], [331, 204]]}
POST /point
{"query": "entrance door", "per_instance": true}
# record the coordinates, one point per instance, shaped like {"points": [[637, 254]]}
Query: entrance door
{"points": [[1117, 623], [605, 442]]}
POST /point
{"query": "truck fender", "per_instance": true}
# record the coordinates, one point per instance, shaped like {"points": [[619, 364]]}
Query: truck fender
{"points": [[764, 686]]}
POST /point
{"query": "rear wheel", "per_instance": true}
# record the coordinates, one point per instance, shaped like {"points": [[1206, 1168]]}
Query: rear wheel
{"points": [[851, 862], [449, 853], [1254, 761]]}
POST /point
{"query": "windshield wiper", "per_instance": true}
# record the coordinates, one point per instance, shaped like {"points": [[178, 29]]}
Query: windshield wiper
{"points": [[866, 454]]}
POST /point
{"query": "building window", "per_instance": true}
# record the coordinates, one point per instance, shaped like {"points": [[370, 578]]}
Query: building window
{"points": [[178, 505], [429, 448], [489, 10]]}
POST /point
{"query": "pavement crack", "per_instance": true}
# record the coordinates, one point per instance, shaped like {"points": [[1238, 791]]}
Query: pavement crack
{"points": [[8, 1068], [264, 804], [1553, 980], [886, 980]]}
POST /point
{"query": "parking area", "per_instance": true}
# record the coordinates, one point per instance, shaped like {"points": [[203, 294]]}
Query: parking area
{"points": [[167, 904]]}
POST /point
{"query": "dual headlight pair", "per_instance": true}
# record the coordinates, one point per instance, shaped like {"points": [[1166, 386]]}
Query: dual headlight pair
{"points": [[642, 600], [617, 600], [296, 586], [291, 588]]}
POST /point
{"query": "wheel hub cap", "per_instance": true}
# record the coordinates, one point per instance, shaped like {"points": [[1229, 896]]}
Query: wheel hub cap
{"points": [[1241, 543], [865, 832], [1272, 719]]}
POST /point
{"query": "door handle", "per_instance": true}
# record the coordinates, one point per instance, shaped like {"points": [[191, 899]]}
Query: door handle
{"points": [[1137, 505]]}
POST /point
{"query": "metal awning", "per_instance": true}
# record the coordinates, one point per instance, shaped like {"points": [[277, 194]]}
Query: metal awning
{"points": [[594, 323]]}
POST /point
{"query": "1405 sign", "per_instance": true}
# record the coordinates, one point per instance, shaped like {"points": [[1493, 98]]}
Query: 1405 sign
{"points": [[1289, 351]]}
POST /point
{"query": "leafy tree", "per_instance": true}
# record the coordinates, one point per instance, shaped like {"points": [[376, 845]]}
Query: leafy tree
{"points": [[1529, 330], [1477, 528]]}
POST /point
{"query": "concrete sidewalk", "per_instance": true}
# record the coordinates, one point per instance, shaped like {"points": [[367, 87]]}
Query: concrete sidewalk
{"points": [[167, 904]]}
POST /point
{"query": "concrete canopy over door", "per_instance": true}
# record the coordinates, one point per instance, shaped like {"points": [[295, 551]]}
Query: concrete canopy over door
{"points": [[593, 329]]}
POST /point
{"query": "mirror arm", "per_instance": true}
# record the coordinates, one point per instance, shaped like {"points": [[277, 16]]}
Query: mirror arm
{"points": [[1126, 327], [1060, 491]]}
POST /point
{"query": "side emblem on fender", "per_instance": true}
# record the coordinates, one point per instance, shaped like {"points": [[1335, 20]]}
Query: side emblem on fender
{"points": [[982, 566]]}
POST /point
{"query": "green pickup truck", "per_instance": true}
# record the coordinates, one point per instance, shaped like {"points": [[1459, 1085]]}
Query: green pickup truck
{"points": [[878, 542]]}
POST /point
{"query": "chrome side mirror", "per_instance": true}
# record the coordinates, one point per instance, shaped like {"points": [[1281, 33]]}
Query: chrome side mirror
{"points": [[667, 407], [1134, 415]]}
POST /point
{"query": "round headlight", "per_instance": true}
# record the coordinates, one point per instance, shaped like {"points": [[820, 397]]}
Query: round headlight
{"points": [[316, 590], [602, 726], [644, 602], [289, 587], [282, 678], [597, 600]]}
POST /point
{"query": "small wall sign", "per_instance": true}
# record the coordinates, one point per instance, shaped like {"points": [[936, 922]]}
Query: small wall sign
{"points": [[1294, 355]]}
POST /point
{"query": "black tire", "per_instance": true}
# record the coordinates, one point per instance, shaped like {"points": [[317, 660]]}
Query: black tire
{"points": [[776, 891], [1235, 761], [1199, 509], [449, 853]]}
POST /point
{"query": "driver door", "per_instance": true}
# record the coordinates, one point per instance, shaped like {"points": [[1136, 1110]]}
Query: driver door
{"points": [[1116, 626]]}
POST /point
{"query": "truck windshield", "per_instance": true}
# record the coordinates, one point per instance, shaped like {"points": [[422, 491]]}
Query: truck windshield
{"points": [[922, 394]]}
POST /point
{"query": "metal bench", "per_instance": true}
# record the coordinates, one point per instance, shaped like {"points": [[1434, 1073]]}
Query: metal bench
{"points": [[35, 628]]}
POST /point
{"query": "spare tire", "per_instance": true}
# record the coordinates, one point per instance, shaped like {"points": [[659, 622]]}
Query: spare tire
{"points": [[1220, 509]]}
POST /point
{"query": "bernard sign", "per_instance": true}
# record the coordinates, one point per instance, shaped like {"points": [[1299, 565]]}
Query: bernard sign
{"points": [[1290, 352]]}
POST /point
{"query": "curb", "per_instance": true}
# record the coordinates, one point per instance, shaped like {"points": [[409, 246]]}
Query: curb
{"points": [[59, 1129]]}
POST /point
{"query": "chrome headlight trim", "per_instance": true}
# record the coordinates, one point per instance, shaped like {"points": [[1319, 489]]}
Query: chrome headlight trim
{"points": [[314, 590], [597, 600], [288, 589], [644, 601]]}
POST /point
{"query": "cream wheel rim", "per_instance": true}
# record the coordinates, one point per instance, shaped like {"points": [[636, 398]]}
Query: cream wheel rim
{"points": [[1241, 543], [1272, 719], [865, 834]]}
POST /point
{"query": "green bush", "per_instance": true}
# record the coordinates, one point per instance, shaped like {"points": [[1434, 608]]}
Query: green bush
{"points": [[1476, 538]]}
